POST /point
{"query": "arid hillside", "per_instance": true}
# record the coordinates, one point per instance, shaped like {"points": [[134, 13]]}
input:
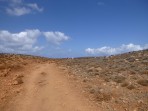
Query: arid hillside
{"points": [[114, 83]]}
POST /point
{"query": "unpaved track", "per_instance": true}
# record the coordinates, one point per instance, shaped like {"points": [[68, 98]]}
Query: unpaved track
{"points": [[47, 88]]}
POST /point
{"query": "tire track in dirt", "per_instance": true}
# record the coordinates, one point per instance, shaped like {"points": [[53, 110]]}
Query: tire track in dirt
{"points": [[47, 89]]}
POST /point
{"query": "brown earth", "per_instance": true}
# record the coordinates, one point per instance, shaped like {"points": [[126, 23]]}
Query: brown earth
{"points": [[114, 83], [42, 87]]}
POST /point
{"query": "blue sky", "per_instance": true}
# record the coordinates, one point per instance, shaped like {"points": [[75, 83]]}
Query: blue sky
{"points": [[72, 28]]}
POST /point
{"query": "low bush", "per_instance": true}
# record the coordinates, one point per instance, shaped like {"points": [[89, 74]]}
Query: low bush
{"points": [[103, 97], [119, 79], [143, 82], [124, 84], [130, 87]]}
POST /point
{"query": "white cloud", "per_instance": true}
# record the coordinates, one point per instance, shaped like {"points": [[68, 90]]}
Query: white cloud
{"points": [[35, 7], [19, 42], [26, 41], [19, 8], [18, 11], [55, 37], [110, 50]]}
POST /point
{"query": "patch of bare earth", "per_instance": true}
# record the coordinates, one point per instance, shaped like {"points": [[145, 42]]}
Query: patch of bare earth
{"points": [[13, 69], [40, 85]]}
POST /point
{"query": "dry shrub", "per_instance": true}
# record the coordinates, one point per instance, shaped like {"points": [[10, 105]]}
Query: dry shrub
{"points": [[132, 72], [145, 62], [145, 72], [2, 67], [143, 82], [124, 84], [94, 90], [96, 73], [100, 94], [97, 69], [103, 97], [18, 79], [130, 59], [107, 79], [130, 87], [43, 73], [15, 67], [119, 79], [25, 63], [90, 69]]}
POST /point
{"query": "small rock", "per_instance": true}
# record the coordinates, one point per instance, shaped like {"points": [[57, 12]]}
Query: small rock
{"points": [[18, 81], [19, 76], [43, 73], [98, 69], [3, 75], [17, 91], [140, 101]]}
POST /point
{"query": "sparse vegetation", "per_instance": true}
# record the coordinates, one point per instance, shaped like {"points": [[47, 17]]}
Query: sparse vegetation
{"points": [[143, 82], [124, 84], [115, 81], [119, 74], [119, 79], [103, 97], [131, 86]]}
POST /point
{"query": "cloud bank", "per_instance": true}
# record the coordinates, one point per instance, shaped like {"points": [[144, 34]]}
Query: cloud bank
{"points": [[26, 41], [55, 37], [19, 8], [106, 50]]}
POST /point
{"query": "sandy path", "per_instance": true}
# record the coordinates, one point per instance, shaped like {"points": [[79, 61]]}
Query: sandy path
{"points": [[48, 89]]}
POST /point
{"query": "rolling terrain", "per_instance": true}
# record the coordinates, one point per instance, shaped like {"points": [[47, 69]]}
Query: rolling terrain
{"points": [[113, 83]]}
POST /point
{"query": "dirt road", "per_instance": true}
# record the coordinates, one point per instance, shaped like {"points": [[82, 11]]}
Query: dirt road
{"points": [[47, 88]]}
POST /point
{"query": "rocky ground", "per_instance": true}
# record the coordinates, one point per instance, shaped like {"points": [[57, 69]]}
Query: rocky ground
{"points": [[13, 68], [114, 83]]}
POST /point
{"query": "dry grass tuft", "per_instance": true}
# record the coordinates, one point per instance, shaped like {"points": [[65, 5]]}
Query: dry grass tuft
{"points": [[103, 97], [130, 87], [119, 79], [143, 82], [124, 84]]}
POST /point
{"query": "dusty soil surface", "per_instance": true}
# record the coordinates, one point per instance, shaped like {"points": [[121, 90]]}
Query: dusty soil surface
{"points": [[114, 83], [46, 87]]}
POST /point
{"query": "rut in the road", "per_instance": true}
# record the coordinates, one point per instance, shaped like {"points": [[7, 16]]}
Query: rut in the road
{"points": [[48, 89]]}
